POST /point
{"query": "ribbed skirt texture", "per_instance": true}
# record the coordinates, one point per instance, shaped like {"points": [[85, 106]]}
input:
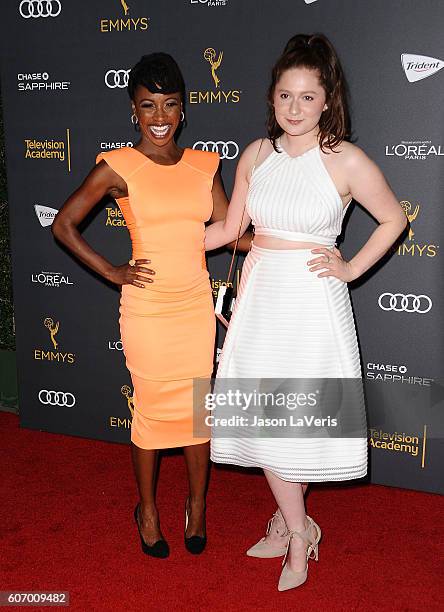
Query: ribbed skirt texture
{"points": [[289, 323]]}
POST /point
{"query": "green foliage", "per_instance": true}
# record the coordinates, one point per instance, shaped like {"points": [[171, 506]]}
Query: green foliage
{"points": [[7, 340]]}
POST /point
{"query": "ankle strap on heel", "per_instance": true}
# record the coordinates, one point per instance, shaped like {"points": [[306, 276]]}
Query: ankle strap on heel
{"points": [[277, 515], [312, 546]]}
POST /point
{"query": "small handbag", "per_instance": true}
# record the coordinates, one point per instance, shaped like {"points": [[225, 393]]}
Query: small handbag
{"points": [[226, 294]]}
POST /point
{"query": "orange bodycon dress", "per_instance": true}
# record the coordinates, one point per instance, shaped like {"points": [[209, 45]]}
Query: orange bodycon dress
{"points": [[167, 328]]}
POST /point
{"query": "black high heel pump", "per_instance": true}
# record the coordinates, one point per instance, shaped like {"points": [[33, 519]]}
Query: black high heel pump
{"points": [[194, 544], [159, 549]]}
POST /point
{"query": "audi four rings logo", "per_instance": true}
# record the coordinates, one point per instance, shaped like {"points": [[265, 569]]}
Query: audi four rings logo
{"points": [[40, 8], [226, 150], [116, 78], [405, 303], [57, 398]]}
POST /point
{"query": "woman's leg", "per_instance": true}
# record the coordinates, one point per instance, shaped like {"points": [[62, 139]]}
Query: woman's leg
{"points": [[197, 457], [290, 499], [145, 464]]}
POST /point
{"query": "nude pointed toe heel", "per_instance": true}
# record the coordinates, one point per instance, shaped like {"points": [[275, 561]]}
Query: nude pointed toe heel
{"points": [[266, 549], [290, 579]]}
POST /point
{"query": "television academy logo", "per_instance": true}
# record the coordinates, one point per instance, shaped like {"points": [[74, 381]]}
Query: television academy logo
{"points": [[399, 302], [418, 67], [51, 279], [218, 95], [40, 8], [216, 283], [414, 150], [57, 398], [399, 442], [53, 354], [45, 214], [49, 149], [114, 217], [39, 81], [117, 79], [412, 247], [125, 23], [226, 150]]}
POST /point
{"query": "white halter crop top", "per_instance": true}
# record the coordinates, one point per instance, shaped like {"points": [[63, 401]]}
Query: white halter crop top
{"points": [[294, 198]]}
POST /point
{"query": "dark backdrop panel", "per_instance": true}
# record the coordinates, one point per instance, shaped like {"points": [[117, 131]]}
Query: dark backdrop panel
{"points": [[63, 76]]}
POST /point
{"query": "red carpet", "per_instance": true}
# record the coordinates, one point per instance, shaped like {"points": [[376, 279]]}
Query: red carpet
{"points": [[67, 524]]}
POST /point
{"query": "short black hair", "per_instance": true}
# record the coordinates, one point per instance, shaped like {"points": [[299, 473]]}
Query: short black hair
{"points": [[159, 73]]}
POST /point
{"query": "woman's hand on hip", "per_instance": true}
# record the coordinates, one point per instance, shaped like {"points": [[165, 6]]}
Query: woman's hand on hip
{"points": [[132, 273], [332, 263]]}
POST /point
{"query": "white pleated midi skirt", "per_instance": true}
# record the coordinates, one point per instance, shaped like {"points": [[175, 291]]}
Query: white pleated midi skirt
{"points": [[289, 323]]}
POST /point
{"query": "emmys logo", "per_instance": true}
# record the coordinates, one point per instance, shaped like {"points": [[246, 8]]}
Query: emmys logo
{"points": [[119, 422], [210, 56], [126, 23], [49, 150], [53, 355], [126, 392], [412, 247], [219, 96], [418, 67], [406, 207], [53, 329]]}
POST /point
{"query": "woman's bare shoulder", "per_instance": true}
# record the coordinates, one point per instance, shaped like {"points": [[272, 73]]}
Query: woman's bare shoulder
{"points": [[349, 155]]}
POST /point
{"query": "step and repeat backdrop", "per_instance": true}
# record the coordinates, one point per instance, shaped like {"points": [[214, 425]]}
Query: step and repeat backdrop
{"points": [[63, 76]]}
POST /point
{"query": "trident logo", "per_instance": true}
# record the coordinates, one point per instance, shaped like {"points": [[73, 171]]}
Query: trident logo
{"points": [[53, 329], [126, 392], [406, 207], [210, 56]]}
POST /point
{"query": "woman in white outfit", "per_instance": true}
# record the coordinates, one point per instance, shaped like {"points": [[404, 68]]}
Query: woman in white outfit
{"points": [[293, 317]]}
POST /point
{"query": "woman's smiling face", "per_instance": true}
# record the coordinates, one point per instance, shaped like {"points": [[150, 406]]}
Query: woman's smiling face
{"points": [[299, 100], [158, 114]]}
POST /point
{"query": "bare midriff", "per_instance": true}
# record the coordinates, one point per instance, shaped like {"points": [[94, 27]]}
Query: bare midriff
{"points": [[270, 242]]}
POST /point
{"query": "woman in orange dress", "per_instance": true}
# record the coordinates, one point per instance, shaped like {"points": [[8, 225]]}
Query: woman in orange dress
{"points": [[167, 322]]}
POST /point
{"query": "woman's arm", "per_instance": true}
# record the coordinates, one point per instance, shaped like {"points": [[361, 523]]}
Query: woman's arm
{"points": [[225, 231], [368, 186], [101, 181], [220, 208]]}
